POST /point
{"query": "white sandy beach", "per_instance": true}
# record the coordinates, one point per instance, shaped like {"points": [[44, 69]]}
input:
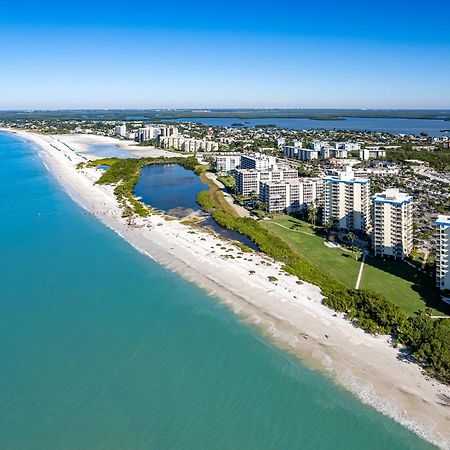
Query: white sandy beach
{"points": [[82, 143], [291, 313]]}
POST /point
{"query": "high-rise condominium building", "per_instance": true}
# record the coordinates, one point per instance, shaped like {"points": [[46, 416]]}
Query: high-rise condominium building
{"points": [[346, 199], [392, 223], [442, 251], [120, 130], [169, 131], [148, 133], [290, 195], [248, 180]]}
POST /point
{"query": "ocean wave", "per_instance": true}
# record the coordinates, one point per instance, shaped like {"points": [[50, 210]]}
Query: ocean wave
{"points": [[368, 395]]}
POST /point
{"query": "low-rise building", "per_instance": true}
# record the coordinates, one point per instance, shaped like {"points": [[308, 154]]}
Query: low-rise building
{"points": [[392, 224], [442, 225]]}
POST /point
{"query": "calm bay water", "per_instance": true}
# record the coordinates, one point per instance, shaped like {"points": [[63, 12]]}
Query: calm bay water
{"points": [[389, 125], [173, 189], [170, 188], [101, 348]]}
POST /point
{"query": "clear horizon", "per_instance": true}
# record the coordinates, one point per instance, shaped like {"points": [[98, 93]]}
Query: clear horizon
{"points": [[236, 109], [204, 55]]}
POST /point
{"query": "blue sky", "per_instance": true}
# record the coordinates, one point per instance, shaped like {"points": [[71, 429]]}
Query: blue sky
{"points": [[336, 54]]}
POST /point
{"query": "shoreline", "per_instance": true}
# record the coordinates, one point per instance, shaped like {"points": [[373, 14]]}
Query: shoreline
{"points": [[287, 312]]}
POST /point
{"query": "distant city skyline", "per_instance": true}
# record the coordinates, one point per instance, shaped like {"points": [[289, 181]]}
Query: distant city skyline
{"points": [[102, 55]]}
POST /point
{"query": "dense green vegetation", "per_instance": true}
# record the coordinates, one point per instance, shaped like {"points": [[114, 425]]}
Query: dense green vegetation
{"points": [[215, 193], [439, 159], [125, 173], [228, 181], [426, 338], [155, 115]]}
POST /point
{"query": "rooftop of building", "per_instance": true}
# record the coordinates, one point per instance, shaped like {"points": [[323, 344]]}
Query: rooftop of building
{"points": [[392, 196], [291, 181], [443, 220], [273, 169], [257, 156], [346, 176]]}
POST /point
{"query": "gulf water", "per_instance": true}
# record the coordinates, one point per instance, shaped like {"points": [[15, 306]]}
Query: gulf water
{"points": [[101, 348]]}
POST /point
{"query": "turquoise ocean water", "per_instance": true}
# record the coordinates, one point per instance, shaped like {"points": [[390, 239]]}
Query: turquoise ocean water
{"points": [[101, 348]]}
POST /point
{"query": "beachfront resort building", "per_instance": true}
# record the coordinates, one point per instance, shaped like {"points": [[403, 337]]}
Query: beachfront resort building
{"points": [[392, 224], [170, 138], [442, 225], [248, 180], [258, 161], [227, 163], [169, 132], [120, 130], [194, 145], [147, 133], [289, 195], [346, 200], [372, 153]]}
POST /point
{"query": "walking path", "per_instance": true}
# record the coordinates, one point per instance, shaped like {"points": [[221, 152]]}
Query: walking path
{"points": [[358, 281], [240, 210], [290, 229]]}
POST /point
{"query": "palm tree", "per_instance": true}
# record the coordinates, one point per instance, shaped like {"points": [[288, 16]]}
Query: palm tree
{"points": [[312, 215], [351, 236]]}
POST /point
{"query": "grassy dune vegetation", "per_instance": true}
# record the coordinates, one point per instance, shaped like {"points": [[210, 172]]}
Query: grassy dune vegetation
{"points": [[215, 193]]}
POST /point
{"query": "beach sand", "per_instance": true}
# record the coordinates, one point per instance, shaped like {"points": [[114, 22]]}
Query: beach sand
{"points": [[82, 143], [290, 313]]}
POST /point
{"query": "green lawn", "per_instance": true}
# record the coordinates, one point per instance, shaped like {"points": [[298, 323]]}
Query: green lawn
{"points": [[403, 285], [340, 264]]}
